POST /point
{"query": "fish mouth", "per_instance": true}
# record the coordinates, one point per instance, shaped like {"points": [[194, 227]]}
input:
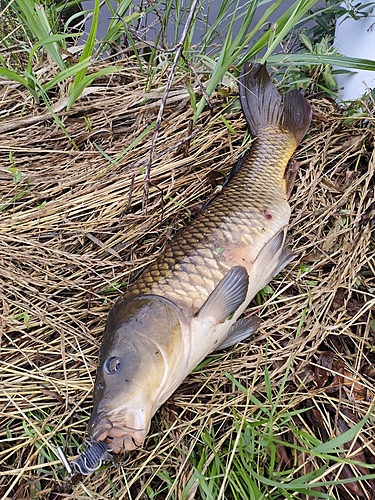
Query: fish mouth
{"points": [[117, 436], [119, 439]]}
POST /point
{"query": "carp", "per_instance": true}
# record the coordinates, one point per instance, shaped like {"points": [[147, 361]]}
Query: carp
{"points": [[188, 303]]}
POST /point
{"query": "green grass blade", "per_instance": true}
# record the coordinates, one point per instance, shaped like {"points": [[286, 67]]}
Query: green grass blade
{"points": [[43, 43], [258, 46], [273, 35], [118, 27], [88, 48], [228, 54], [296, 486], [341, 481], [51, 39], [69, 22], [85, 82], [114, 161], [16, 197], [53, 49], [236, 382], [333, 445], [212, 31], [287, 22], [46, 100], [12, 75], [231, 50], [67, 73], [37, 21], [146, 131], [304, 59]]}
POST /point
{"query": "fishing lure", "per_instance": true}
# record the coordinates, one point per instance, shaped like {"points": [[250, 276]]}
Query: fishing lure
{"points": [[92, 457]]}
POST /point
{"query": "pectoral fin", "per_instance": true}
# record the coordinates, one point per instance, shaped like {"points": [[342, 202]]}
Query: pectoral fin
{"points": [[229, 294], [239, 331], [271, 248]]}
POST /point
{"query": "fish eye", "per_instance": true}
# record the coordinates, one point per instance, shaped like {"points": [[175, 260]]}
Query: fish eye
{"points": [[112, 365]]}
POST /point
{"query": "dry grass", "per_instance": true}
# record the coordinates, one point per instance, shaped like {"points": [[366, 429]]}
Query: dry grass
{"points": [[75, 230]]}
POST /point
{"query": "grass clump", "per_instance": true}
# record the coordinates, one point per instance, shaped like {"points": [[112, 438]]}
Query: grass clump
{"points": [[35, 30]]}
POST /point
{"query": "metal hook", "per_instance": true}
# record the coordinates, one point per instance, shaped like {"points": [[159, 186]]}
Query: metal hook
{"points": [[60, 453]]}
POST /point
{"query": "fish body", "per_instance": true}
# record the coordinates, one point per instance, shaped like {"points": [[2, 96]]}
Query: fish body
{"points": [[187, 304]]}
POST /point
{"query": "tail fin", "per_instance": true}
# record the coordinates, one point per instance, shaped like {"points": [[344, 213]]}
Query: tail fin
{"points": [[263, 105]]}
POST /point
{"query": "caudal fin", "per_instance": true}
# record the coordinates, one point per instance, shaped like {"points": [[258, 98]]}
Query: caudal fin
{"points": [[262, 104]]}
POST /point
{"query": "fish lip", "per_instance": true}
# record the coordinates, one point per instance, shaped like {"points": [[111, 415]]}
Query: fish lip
{"points": [[123, 442], [118, 437]]}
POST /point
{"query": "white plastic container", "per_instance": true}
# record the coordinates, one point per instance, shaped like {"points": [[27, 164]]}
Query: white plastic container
{"points": [[356, 38]]}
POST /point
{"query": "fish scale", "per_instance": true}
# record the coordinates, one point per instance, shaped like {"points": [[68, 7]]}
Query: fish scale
{"points": [[188, 303], [194, 263]]}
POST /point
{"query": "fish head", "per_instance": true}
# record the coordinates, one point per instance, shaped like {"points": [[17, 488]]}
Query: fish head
{"points": [[140, 350]]}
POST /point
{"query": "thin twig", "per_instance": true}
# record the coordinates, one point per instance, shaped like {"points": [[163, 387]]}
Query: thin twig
{"points": [[201, 86], [147, 43], [179, 48]]}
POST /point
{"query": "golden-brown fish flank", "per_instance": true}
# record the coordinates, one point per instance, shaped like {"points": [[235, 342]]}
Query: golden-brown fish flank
{"points": [[240, 220], [188, 302]]}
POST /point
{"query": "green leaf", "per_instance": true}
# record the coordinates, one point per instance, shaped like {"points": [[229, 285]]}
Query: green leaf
{"points": [[306, 41], [304, 59], [17, 175], [37, 21], [65, 74], [16, 197], [12, 75], [88, 47], [333, 446], [85, 82], [228, 125], [236, 382]]}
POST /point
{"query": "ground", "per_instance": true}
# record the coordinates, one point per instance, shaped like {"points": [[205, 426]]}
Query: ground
{"points": [[75, 230]]}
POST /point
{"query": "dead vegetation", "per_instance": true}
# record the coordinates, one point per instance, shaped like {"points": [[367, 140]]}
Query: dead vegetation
{"points": [[74, 233]]}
